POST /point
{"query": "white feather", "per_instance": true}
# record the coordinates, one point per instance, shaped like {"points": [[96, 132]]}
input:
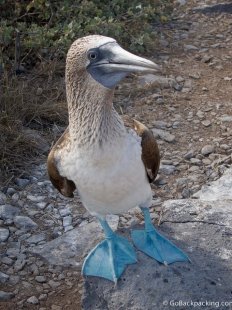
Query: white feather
{"points": [[110, 179]]}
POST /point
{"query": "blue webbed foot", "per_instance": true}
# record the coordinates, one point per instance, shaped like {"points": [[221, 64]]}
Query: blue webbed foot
{"points": [[110, 257], [155, 245]]}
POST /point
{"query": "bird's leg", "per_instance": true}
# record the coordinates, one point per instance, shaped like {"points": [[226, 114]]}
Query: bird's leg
{"points": [[110, 257], [152, 243]]}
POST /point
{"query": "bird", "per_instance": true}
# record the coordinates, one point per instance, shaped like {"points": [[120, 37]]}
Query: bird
{"points": [[108, 159]]}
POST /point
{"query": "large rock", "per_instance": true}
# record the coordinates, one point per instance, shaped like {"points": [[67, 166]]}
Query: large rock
{"points": [[71, 248], [220, 189], [203, 231]]}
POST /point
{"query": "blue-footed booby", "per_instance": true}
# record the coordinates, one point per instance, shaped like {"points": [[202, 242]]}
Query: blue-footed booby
{"points": [[110, 161]]}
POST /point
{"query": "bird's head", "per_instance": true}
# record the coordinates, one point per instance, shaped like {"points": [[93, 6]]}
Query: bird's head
{"points": [[103, 60]]}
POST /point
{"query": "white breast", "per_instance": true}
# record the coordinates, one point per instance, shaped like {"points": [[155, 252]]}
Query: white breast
{"points": [[111, 179]]}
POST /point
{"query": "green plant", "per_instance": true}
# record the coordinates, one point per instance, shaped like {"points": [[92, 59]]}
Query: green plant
{"points": [[46, 28]]}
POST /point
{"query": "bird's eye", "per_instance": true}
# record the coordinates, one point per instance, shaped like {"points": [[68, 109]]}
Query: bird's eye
{"points": [[92, 55]]}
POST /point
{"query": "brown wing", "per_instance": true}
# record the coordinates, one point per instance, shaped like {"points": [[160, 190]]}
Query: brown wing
{"points": [[65, 187], [150, 150]]}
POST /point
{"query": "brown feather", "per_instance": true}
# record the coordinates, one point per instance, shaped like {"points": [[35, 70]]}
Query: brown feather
{"points": [[65, 187], [150, 150]]}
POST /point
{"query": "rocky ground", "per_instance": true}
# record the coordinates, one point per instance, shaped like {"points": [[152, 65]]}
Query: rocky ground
{"points": [[189, 110]]}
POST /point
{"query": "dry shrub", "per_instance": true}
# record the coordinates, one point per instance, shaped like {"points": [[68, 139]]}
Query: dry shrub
{"points": [[32, 107]]}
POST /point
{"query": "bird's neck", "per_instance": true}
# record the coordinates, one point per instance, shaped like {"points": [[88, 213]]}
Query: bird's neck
{"points": [[92, 118]]}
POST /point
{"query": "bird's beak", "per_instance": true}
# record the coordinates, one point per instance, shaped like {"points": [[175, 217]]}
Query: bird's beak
{"points": [[114, 63], [119, 60]]}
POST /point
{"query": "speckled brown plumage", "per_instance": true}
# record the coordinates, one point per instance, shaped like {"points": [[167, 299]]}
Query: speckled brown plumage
{"points": [[150, 149], [65, 187]]}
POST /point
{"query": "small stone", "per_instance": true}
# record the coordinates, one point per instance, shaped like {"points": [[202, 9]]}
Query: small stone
{"points": [[43, 296], [158, 81], [180, 79], [181, 181], [163, 135], [189, 154], [53, 284], [36, 238], [41, 205], [160, 100], [5, 296], [193, 169], [167, 169], [10, 191], [27, 285], [206, 161], [39, 91], [189, 47], [2, 198], [3, 277], [12, 252], [33, 300], [207, 149], [160, 181], [22, 182], [226, 118], [206, 123], [160, 124], [206, 58], [24, 222], [4, 234], [113, 221], [188, 84], [186, 193], [195, 161], [20, 262], [195, 76], [67, 220], [36, 198], [40, 279], [224, 147], [68, 228], [33, 268], [61, 276], [22, 235], [176, 124], [64, 212], [7, 261], [200, 114], [13, 280], [8, 212]]}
